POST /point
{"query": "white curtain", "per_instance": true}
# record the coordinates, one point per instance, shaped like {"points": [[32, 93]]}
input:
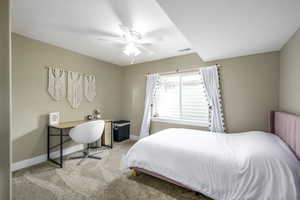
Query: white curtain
{"points": [[152, 80], [211, 83]]}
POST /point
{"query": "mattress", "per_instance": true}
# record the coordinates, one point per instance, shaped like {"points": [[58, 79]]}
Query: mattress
{"points": [[241, 166]]}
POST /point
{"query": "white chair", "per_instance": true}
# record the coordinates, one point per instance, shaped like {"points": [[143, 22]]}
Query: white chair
{"points": [[87, 133]]}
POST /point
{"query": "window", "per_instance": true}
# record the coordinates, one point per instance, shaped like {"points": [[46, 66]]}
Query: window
{"points": [[180, 99]]}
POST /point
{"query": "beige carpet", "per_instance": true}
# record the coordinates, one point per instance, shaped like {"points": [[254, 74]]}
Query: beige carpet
{"points": [[94, 180]]}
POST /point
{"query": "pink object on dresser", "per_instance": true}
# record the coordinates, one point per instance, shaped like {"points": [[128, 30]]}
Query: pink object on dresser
{"points": [[287, 127]]}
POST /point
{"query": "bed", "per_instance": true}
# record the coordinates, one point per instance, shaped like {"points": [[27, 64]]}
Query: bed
{"points": [[249, 165]]}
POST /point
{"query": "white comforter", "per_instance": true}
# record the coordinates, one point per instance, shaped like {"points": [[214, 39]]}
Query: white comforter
{"points": [[250, 165]]}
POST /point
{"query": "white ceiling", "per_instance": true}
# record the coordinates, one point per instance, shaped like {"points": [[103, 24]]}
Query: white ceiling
{"points": [[215, 29], [229, 28], [76, 25]]}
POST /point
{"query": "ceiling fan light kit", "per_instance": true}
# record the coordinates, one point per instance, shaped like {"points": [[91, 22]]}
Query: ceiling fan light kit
{"points": [[133, 41], [131, 50]]}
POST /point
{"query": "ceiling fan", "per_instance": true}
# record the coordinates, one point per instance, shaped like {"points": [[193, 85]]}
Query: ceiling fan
{"points": [[132, 40]]}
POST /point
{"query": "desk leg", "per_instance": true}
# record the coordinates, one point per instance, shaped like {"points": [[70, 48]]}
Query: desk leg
{"points": [[112, 136], [48, 143], [61, 148]]}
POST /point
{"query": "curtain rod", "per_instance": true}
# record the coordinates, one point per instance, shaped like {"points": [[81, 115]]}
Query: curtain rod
{"points": [[180, 71]]}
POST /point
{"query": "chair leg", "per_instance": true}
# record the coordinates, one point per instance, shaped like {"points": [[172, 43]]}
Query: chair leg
{"points": [[82, 157], [77, 157], [86, 154], [94, 157], [92, 154]]}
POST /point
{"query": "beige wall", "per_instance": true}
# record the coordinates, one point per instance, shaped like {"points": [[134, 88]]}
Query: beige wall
{"points": [[31, 102], [249, 83], [5, 104], [289, 100]]}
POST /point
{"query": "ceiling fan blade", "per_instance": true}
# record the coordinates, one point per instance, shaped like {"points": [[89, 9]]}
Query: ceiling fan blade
{"points": [[103, 33], [150, 52], [145, 42], [112, 39], [122, 10], [159, 35], [86, 30]]}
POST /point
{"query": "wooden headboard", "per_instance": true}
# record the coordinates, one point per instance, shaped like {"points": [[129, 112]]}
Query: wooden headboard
{"points": [[287, 127]]}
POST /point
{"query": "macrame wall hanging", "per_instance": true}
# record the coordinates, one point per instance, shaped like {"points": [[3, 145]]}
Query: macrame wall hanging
{"points": [[90, 87], [56, 83], [75, 89], [59, 78]]}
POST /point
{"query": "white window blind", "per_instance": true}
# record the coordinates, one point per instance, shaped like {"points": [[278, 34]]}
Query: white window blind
{"points": [[181, 98]]}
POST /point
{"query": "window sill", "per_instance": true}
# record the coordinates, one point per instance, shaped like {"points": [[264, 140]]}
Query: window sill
{"points": [[179, 121]]}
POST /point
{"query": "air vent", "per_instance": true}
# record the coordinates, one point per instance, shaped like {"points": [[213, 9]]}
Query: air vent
{"points": [[185, 50]]}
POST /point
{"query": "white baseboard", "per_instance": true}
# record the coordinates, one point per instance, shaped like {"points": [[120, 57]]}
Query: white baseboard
{"points": [[42, 158], [134, 137]]}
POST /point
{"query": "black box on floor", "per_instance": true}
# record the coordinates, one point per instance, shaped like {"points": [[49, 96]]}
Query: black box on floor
{"points": [[121, 130]]}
